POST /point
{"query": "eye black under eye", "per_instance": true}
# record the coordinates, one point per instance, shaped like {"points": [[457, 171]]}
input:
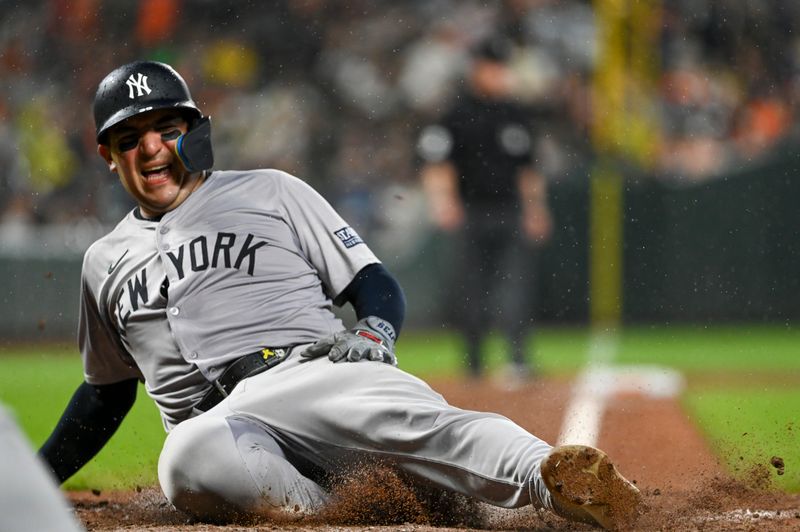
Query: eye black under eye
{"points": [[172, 134], [128, 144]]}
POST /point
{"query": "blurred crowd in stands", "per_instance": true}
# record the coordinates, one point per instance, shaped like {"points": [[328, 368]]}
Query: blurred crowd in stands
{"points": [[336, 92]]}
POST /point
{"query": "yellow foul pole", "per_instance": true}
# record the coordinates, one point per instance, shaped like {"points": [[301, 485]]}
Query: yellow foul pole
{"points": [[624, 128]]}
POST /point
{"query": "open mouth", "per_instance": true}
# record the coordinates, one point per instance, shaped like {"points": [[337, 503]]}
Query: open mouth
{"points": [[156, 173]]}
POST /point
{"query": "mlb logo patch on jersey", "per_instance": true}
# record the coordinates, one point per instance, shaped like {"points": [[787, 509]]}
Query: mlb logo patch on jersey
{"points": [[348, 237]]}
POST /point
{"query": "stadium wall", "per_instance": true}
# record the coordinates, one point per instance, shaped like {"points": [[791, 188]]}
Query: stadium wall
{"points": [[727, 249]]}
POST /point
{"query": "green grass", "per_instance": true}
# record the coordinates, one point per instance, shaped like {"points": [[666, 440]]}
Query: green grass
{"points": [[748, 427], [36, 383], [709, 349], [563, 349]]}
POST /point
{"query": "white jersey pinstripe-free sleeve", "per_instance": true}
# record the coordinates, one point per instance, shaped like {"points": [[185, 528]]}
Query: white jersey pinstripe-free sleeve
{"points": [[333, 247], [105, 360]]}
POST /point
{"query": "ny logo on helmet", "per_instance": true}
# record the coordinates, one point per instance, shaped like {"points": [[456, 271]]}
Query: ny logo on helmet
{"points": [[139, 83]]}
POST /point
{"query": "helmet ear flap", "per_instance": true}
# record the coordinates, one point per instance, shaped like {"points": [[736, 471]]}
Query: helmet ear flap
{"points": [[194, 119], [194, 147]]}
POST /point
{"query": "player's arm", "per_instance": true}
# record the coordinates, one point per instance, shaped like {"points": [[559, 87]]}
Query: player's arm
{"points": [[375, 292], [537, 221], [439, 175], [380, 306], [92, 416], [440, 183]]}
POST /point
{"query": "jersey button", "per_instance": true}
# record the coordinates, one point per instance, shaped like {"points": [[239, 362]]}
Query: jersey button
{"points": [[193, 355], [164, 230], [174, 311], [165, 247]]}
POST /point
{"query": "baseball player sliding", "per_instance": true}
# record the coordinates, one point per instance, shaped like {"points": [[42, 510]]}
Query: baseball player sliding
{"points": [[216, 292]]}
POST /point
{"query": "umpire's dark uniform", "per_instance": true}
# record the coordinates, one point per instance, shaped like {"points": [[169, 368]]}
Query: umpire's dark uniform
{"points": [[488, 143]]}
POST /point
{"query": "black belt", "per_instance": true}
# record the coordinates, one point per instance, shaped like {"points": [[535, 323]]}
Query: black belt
{"points": [[241, 368]]}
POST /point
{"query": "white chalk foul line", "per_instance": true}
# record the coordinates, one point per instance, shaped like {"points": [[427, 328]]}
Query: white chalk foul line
{"points": [[749, 516], [600, 381], [584, 413]]}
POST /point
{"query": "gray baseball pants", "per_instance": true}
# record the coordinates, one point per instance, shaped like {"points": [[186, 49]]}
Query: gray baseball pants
{"points": [[257, 450]]}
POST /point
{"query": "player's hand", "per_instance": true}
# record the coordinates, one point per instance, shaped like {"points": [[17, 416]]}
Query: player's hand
{"points": [[372, 339], [448, 215], [537, 223]]}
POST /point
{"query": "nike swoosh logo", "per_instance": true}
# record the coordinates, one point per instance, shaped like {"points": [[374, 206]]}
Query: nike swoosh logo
{"points": [[113, 267]]}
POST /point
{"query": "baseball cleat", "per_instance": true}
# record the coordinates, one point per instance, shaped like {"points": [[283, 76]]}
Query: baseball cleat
{"points": [[585, 486]]}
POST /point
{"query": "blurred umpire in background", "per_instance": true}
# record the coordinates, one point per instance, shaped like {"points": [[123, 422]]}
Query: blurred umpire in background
{"points": [[482, 186]]}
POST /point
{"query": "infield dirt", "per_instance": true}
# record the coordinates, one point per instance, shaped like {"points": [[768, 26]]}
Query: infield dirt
{"points": [[651, 441]]}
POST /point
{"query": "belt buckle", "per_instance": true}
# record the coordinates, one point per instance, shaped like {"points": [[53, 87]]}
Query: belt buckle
{"points": [[220, 388], [272, 356], [269, 357]]}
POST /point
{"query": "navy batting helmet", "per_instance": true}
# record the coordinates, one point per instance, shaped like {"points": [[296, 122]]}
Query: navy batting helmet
{"points": [[136, 88]]}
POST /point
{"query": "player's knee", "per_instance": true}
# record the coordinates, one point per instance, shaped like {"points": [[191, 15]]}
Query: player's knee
{"points": [[218, 468], [194, 465]]}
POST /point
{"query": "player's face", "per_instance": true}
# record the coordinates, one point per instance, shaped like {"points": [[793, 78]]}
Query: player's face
{"points": [[492, 79], [141, 150]]}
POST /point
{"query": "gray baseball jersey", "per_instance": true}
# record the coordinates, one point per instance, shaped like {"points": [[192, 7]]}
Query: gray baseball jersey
{"points": [[254, 259], [173, 301]]}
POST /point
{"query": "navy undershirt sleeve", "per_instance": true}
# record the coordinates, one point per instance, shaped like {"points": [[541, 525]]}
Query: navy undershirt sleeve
{"points": [[92, 416], [375, 292]]}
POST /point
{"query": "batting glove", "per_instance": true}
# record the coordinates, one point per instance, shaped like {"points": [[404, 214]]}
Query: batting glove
{"points": [[372, 339]]}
